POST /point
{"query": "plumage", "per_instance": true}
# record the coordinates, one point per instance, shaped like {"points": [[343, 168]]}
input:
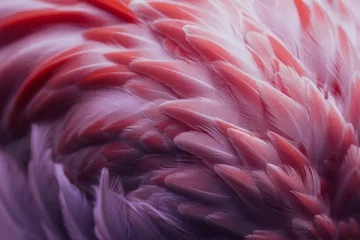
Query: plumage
{"points": [[179, 119]]}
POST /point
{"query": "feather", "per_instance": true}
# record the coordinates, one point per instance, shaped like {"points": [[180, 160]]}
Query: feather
{"points": [[199, 113], [175, 10], [174, 75], [39, 77], [9, 229], [304, 13], [106, 76], [173, 29], [119, 9], [44, 186], [227, 221], [288, 153], [316, 107], [206, 148], [265, 235], [76, 210], [286, 57], [303, 229], [352, 106], [245, 92], [118, 218], [128, 38], [285, 178], [278, 208], [325, 227], [286, 115], [243, 184], [21, 213], [199, 183], [254, 151], [149, 90], [308, 204]]}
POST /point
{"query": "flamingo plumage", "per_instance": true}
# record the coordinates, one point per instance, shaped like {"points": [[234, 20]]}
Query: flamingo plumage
{"points": [[179, 119]]}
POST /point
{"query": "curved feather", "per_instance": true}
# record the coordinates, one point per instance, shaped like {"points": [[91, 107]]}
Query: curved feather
{"points": [[75, 208]]}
